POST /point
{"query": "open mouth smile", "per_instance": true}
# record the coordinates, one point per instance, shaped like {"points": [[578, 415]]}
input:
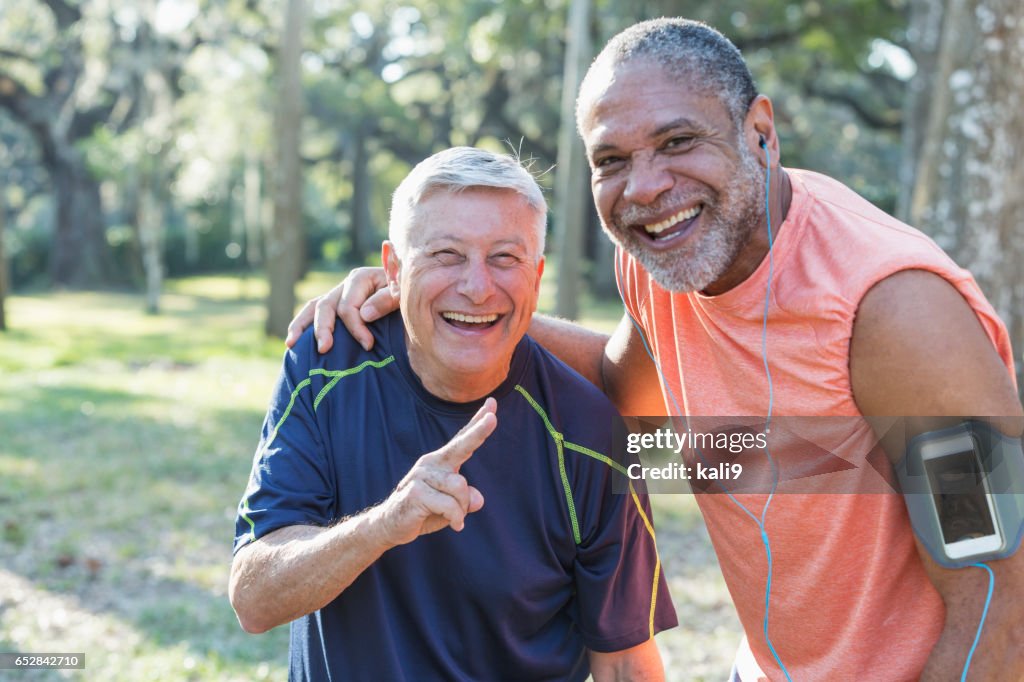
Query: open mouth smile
{"points": [[675, 225], [464, 321]]}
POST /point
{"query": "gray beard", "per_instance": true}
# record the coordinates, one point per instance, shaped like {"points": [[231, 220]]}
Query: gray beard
{"points": [[730, 221]]}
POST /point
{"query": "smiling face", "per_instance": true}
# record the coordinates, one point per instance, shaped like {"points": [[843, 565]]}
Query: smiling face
{"points": [[675, 183], [469, 276]]}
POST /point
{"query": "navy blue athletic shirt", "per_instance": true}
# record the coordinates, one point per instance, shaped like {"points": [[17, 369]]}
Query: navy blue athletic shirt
{"points": [[553, 564]]}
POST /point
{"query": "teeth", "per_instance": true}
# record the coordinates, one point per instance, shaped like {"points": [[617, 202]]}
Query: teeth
{"points": [[472, 319], [672, 220]]}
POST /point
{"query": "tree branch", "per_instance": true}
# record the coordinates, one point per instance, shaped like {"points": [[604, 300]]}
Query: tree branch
{"points": [[891, 87], [871, 118], [496, 117], [770, 38], [20, 56], [14, 97]]}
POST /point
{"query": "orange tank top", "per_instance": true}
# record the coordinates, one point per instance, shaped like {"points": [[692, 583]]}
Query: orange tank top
{"points": [[849, 597]]}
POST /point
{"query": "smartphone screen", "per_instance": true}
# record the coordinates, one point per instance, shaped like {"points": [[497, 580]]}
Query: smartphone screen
{"points": [[960, 498], [964, 508]]}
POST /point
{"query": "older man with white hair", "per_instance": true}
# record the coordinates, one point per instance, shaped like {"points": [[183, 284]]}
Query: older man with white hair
{"points": [[385, 559]]}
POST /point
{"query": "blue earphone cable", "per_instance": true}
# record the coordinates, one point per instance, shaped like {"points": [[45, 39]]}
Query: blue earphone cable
{"points": [[771, 405], [984, 614], [768, 290], [771, 397]]}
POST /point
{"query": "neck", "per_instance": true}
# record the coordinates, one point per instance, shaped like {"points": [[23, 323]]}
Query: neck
{"points": [[452, 385], [756, 248]]}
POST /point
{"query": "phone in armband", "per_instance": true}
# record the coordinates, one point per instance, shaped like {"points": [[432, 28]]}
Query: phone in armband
{"points": [[962, 486], [963, 503]]}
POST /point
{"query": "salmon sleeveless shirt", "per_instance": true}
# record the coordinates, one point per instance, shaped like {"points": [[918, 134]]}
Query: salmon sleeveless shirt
{"points": [[849, 594]]}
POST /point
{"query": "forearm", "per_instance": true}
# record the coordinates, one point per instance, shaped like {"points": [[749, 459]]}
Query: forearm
{"points": [[998, 655], [641, 663], [580, 348], [299, 569], [618, 364]]}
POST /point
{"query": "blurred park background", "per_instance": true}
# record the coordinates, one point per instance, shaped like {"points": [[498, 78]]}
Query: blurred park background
{"points": [[175, 175]]}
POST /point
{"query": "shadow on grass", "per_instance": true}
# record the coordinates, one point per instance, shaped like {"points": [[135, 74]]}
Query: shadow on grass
{"points": [[102, 500], [139, 617], [66, 426], [175, 612], [34, 404]]}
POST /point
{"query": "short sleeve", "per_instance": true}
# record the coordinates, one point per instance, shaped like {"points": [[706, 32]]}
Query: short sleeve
{"points": [[623, 599], [291, 481]]}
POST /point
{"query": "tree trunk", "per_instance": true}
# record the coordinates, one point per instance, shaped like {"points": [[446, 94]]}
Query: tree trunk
{"points": [[570, 180], [602, 270], [924, 35], [253, 224], [128, 201], [3, 265], [360, 226], [80, 258], [151, 234], [285, 250], [967, 191]]}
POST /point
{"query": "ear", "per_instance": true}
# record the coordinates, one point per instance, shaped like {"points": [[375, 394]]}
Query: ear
{"points": [[760, 124], [392, 264], [540, 273]]}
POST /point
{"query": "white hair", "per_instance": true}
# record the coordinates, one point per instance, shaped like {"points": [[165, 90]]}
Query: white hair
{"points": [[457, 169]]}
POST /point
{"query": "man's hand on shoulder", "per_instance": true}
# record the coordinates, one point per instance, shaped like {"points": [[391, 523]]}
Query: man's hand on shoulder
{"points": [[362, 297]]}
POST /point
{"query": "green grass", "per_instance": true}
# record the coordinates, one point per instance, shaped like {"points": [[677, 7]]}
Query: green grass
{"points": [[125, 443]]}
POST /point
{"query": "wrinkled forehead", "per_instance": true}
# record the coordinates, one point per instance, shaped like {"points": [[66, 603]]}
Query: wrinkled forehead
{"points": [[610, 79], [444, 212]]}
